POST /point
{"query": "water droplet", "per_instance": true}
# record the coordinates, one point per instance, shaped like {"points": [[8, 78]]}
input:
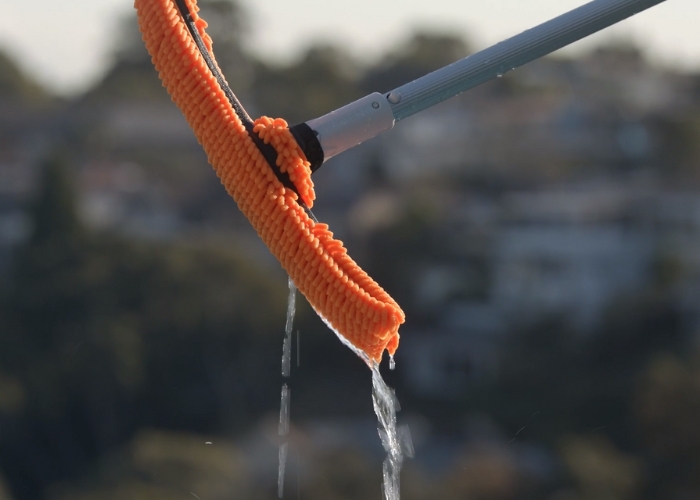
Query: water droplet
{"points": [[392, 363]]}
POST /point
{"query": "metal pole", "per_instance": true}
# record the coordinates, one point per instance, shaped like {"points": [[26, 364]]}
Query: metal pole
{"points": [[368, 117], [495, 61]]}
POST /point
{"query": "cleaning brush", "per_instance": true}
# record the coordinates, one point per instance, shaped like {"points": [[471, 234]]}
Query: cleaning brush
{"points": [[262, 166], [266, 166]]}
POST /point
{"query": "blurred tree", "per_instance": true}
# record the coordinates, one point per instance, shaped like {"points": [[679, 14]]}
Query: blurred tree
{"points": [[324, 79], [600, 470], [101, 336], [4, 493], [159, 465], [54, 214], [667, 404], [483, 473], [128, 43], [229, 26], [678, 148], [133, 76], [423, 53], [344, 475], [16, 87]]}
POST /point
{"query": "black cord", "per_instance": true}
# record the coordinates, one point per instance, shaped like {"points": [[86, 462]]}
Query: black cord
{"points": [[266, 149]]}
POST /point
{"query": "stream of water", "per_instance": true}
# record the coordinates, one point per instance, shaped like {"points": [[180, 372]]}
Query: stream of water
{"points": [[395, 439], [285, 399]]}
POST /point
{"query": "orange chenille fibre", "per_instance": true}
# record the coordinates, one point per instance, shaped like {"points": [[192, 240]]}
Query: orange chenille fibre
{"points": [[290, 157], [354, 304]]}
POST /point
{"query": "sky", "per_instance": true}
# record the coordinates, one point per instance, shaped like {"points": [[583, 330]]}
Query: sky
{"points": [[66, 45]]}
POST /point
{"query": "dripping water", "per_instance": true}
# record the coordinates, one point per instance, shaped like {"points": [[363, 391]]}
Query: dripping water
{"points": [[287, 344], [284, 411], [283, 429], [284, 448], [284, 444], [396, 440]]}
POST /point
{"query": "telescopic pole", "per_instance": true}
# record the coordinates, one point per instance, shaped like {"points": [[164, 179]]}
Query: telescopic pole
{"points": [[373, 114]]}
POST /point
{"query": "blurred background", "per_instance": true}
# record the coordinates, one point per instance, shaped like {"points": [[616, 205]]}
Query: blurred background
{"points": [[541, 232]]}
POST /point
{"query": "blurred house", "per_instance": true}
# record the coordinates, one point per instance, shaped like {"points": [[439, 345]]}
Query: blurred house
{"points": [[567, 253], [571, 252], [116, 196], [551, 119], [677, 219], [24, 136]]}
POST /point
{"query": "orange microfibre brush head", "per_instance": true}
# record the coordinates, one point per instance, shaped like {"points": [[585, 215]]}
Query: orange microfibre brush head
{"points": [[335, 286]]}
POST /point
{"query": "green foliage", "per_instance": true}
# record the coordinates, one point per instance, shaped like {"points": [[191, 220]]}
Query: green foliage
{"points": [[165, 465], [667, 409], [4, 492], [99, 328], [53, 214], [324, 79], [600, 470], [327, 77], [16, 86], [132, 75], [127, 79]]}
